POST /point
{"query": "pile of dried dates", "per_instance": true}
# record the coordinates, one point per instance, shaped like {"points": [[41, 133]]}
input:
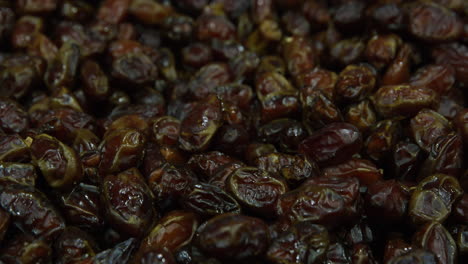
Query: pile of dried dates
{"points": [[233, 131]]}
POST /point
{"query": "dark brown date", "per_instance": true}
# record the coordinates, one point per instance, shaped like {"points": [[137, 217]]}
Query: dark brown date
{"points": [[327, 201], [302, 243], [128, 202], [25, 249], [362, 116], [364, 170], [198, 129], [438, 77], [387, 201], [13, 119], [208, 200], [448, 26], [59, 164], [13, 148], [175, 230], [232, 236], [74, 246], [31, 211], [381, 140], [332, 144], [433, 198], [436, 239], [427, 126], [121, 149], [256, 189], [82, 206], [355, 83], [403, 100], [294, 169], [21, 173]]}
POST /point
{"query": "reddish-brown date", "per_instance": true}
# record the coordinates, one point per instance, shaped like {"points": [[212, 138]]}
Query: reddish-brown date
{"points": [[59, 164], [13, 148], [198, 129], [446, 156], [207, 78], [294, 169], [318, 111], [256, 189], [387, 201], [74, 246], [21, 173], [382, 139], [318, 79], [233, 236], [82, 206], [382, 49], [448, 26], [31, 211], [456, 55], [166, 130], [362, 116], [149, 12], [427, 126], [302, 243], [355, 82], [403, 100], [209, 200], [332, 144], [61, 71], [36, 6], [24, 31], [121, 149], [13, 119], [25, 249], [327, 201], [436, 239], [175, 230], [433, 198], [96, 83], [364, 170], [211, 27], [128, 202], [438, 77], [407, 158]]}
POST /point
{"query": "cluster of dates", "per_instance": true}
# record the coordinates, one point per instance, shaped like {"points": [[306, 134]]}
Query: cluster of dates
{"points": [[233, 131]]}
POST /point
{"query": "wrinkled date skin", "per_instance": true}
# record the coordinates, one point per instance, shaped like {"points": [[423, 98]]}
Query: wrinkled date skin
{"points": [[327, 201], [396, 100], [433, 198], [198, 129], [58, 163], [332, 144], [256, 189], [209, 200], [26, 249], [294, 168], [427, 126], [448, 26], [231, 236], [82, 206], [31, 210], [128, 202], [436, 239], [120, 150], [387, 201], [175, 230], [302, 243]]}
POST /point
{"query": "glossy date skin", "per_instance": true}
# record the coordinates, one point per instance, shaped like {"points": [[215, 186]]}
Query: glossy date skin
{"points": [[332, 144], [31, 210], [247, 239], [233, 131]]}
